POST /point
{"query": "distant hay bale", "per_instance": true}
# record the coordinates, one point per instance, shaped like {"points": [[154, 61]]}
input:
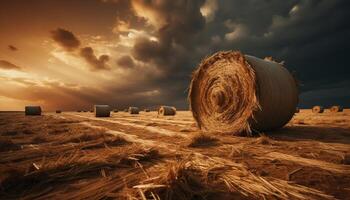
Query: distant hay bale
{"points": [[147, 110], [115, 110], [167, 110], [102, 110], [235, 93], [335, 109], [133, 110], [58, 111], [318, 109], [32, 110]]}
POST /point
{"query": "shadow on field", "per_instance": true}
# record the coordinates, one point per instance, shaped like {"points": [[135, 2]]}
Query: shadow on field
{"points": [[317, 133]]}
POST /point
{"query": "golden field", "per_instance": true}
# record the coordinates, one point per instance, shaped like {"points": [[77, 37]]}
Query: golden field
{"points": [[77, 156]]}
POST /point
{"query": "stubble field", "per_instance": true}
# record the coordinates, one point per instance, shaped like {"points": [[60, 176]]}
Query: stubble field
{"points": [[77, 156]]}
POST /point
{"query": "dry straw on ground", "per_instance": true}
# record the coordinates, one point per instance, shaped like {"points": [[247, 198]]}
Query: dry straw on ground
{"points": [[335, 109], [198, 177], [33, 110], [235, 93], [133, 110], [318, 109], [102, 110], [167, 110], [202, 140]]}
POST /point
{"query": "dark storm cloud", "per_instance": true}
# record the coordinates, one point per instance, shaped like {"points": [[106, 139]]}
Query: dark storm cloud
{"points": [[4, 64], [96, 63], [65, 39], [12, 48], [126, 61], [180, 22], [311, 36]]}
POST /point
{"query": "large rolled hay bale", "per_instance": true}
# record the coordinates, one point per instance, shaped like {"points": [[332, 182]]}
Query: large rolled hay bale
{"points": [[102, 110], [167, 110], [235, 93], [133, 110], [32, 110], [318, 109], [335, 109]]}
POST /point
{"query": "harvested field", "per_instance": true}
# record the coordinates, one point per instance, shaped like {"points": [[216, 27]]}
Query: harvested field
{"points": [[78, 156]]}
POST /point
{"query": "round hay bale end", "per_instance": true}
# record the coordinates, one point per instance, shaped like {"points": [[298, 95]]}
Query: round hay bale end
{"points": [[102, 110], [318, 109], [167, 110], [32, 110], [335, 109], [235, 93], [134, 110], [58, 111]]}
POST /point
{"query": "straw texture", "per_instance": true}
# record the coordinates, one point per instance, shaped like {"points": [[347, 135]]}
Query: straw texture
{"points": [[167, 110], [335, 109], [318, 109], [235, 93]]}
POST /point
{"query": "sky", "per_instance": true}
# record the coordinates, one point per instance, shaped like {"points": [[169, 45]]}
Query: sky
{"points": [[70, 55]]}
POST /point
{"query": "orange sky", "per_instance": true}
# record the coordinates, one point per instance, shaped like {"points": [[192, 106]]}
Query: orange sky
{"points": [[49, 75], [70, 55]]}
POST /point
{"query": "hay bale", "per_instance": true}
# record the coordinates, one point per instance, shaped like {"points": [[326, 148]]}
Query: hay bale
{"points": [[133, 110], [318, 109], [102, 110], [167, 110], [32, 110], [115, 110], [147, 110], [58, 111], [335, 109], [235, 93]]}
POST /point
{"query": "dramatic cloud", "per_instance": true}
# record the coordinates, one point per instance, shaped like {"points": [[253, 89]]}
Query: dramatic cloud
{"points": [[158, 43], [96, 63], [4, 64], [12, 48], [126, 61], [208, 9], [65, 39]]}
